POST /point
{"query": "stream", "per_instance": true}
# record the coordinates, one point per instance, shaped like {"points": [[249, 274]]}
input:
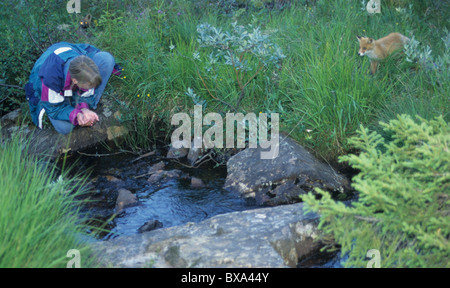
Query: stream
{"points": [[171, 201]]}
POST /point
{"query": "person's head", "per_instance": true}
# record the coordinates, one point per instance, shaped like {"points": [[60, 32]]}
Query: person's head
{"points": [[84, 72]]}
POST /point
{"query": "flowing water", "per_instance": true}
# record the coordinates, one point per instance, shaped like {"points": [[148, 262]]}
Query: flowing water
{"points": [[171, 201]]}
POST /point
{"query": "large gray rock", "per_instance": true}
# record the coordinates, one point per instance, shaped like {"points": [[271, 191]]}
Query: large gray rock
{"points": [[280, 180], [267, 237], [48, 142]]}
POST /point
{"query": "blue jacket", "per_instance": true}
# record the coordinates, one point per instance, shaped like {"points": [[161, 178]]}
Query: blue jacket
{"points": [[49, 89]]}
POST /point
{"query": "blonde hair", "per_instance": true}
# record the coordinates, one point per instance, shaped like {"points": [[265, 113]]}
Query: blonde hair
{"points": [[85, 71]]}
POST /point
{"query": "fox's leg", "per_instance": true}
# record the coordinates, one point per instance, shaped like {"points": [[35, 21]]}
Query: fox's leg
{"points": [[373, 67]]}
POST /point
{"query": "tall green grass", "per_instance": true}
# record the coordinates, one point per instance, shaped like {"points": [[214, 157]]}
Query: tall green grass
{"points": [[324, 82], [326, 91], [323, 91], [39, 222]]}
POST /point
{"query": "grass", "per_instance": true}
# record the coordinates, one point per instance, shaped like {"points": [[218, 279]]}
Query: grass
{"points": [[323, 86], [323, 90], [328, 86], [39, 222]]}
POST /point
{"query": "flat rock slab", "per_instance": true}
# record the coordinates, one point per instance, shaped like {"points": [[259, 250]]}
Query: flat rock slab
{"points": [[266, 237], [47, 142]]}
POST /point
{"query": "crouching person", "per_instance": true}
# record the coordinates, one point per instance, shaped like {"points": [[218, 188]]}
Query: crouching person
{"points": [[67, 82]]}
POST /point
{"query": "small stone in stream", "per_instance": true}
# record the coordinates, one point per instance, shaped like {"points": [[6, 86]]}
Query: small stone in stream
{"points": [[197, 183], [195, 153], [150, 225], [161, 174], [112, 178], [124, 200], [178, 153], [157, 167], [155, 177]]}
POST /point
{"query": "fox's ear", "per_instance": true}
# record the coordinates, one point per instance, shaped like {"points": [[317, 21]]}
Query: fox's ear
{"points": [[359, 37], [370, 40]]}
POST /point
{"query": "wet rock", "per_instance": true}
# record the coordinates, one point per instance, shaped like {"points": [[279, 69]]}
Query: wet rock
{"points": [[11, 118], [268, 237], [157, 167], [155, 177], [150, 225], [281, 180], [161, 175], [195, 153], [197, 183], [111, 178], [124, 200], [172, 173], [177, 153]]}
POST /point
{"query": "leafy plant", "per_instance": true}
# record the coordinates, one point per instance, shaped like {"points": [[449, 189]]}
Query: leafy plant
{"points": [[247, 51], [421, 56], [403, 208]]}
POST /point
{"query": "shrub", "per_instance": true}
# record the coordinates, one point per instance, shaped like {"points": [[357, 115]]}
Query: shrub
{"points": [[247, 51], [403, 206]]}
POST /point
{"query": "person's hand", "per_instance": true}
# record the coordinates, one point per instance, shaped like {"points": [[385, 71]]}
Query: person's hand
{"points": [[91, 115], [82, 119], [87, 117]]}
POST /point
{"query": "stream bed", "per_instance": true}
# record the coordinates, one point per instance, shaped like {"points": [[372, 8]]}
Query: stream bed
{"points": [[169, 202]]}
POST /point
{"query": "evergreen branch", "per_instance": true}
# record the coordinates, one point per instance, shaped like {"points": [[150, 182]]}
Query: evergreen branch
{"points": [[368, 219]]}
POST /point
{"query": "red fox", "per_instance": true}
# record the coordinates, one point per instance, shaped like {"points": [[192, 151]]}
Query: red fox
{"points": [[379, 49], [85, 23]]}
